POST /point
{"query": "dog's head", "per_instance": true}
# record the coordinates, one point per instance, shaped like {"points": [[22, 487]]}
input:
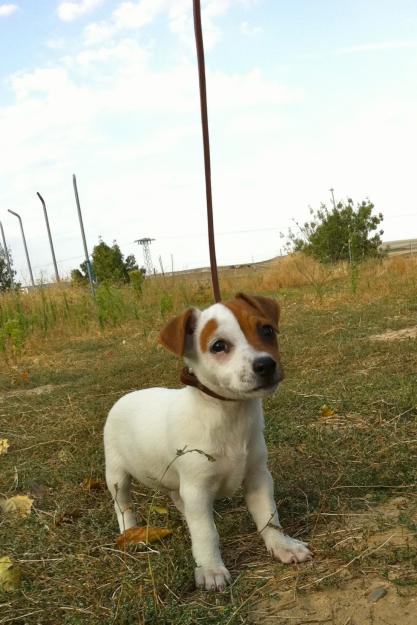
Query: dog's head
{"points": [[231, 347]]}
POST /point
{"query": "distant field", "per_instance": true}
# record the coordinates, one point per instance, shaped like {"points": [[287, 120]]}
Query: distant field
{"points": [[402, 247], [342, 445], [406, 246]]}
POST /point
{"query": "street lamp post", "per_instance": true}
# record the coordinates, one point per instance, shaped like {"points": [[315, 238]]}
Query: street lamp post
{"points": [[24, 244], [49, 235], [80, 218], [334, 203]]}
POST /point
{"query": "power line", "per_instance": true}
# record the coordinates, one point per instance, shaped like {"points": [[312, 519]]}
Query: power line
{"points": [[204, 234]]}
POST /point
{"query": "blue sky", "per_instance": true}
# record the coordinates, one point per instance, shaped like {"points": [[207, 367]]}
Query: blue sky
{"points": [[303, 96]]}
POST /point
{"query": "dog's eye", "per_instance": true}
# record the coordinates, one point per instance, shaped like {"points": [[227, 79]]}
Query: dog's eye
{"points": [[219, 346], [267, 331]]}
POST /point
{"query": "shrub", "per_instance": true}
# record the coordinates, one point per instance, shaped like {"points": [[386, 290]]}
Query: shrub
{"points": [[343, 233]]}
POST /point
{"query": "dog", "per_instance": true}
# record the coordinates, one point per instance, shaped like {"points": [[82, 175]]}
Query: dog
{"points": [[204, 441]]}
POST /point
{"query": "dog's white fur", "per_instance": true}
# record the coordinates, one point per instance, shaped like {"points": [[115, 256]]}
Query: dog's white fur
{"points": [[145, 429]]}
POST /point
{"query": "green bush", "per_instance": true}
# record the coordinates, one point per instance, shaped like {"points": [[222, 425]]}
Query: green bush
{"points": [[343, 233]]}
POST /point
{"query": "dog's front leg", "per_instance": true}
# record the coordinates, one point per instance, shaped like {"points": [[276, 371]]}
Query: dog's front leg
{"points": [[259, 494], [210, 572]]}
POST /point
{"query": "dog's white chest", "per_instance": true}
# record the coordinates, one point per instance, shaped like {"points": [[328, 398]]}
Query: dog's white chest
{"points": [[230, 469]]}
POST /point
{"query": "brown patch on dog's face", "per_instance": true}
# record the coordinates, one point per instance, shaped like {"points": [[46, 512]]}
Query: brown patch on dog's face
{"points": [[208, 330], [256, 316]]}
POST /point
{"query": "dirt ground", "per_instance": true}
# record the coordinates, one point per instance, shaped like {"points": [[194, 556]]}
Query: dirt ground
{"points": [[349, 605], [396, 335], [363, 598]]}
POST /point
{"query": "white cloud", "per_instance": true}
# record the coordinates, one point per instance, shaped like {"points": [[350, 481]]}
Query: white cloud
{"points": [[178, 13], [126, 51], [181, 21], [70, 11], [127, 16], [130, 129], [8, 9], [137, 14], [248, 30], [98, 32], [132, 134]]}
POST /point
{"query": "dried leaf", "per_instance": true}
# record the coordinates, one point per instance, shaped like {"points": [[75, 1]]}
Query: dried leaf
{"points": [[19, 505], [326, 411], [4, 446], [92, 483], [10, 574], [159, 510], [25, 376], [135, 535]]}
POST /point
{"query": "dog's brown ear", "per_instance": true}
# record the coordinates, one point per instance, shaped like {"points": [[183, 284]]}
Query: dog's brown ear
{"points": [[173, 335], [267, 306]]}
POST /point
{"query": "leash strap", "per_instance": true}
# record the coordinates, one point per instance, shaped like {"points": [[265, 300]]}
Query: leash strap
{"points": [[206, 143]]}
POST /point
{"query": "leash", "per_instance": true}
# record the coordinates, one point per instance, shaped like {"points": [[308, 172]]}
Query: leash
{"points": [[206, 144], [188, 378]]}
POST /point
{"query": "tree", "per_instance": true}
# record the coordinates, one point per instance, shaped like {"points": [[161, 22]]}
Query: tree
{"points": [[109, 265], [343, 233], [5, 280], [78, 278]]}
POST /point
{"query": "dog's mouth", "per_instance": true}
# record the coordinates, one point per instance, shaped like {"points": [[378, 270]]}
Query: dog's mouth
{"points": [[267, 386]]}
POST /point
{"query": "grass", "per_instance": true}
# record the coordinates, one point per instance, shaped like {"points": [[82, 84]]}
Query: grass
{"points": [[59, 379]]}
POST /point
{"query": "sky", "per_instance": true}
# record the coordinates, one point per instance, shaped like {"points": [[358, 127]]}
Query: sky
{"points": [[303, 96]]}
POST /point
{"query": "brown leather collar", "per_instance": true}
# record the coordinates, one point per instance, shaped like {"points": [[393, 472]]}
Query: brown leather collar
{"points": [[190, 379]]}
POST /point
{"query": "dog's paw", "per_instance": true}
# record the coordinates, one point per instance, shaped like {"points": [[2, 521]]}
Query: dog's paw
{"points": [[287, 550], [215, 578]]}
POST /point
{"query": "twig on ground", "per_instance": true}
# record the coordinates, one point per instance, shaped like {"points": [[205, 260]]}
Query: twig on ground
{"points": [[364, 553]]}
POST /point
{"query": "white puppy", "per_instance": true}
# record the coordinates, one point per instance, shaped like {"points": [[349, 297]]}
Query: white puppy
{"points": [[232, 362]]}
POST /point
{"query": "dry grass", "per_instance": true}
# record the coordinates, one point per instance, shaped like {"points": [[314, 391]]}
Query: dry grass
{"points": [[65, 311], [334, 474]]}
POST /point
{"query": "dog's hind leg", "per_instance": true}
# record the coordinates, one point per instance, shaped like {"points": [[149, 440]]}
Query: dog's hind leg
{"points": [[118, 483]]}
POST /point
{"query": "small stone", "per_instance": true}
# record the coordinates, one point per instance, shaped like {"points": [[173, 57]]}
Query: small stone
{"points": [[377, 594]]}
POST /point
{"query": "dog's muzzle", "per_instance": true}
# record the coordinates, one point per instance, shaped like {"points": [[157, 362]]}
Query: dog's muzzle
{"points": [[269, 374]]}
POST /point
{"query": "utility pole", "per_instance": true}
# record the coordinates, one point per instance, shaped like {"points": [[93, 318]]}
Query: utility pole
{"points": [[80, 218], [145, 243], [49, 235], [24, 245], [6, 253], [161, 264]]}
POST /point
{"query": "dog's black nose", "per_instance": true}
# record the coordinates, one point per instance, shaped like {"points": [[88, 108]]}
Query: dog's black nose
{"points": [[264, 366]]}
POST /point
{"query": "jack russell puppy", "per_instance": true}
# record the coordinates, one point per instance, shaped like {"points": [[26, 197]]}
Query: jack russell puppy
{"points": [[232, 362]]}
